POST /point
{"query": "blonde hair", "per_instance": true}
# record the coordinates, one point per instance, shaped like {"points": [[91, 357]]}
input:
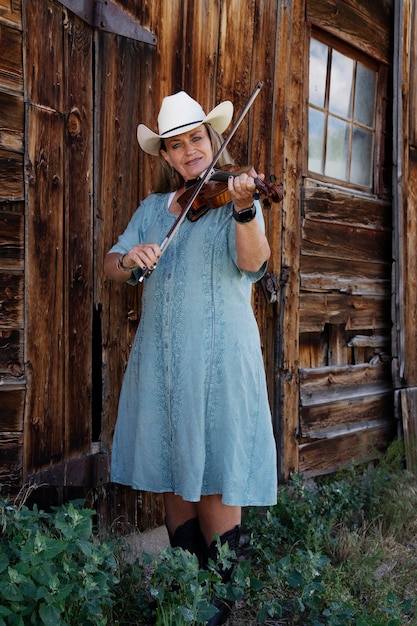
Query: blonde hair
{"points": [[168, 179]]}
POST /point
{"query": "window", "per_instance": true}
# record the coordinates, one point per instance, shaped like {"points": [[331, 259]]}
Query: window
{"points": [[342, 106]]}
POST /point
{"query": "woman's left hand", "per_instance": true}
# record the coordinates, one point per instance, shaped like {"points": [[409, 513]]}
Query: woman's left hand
{"points": [[242, 188]]}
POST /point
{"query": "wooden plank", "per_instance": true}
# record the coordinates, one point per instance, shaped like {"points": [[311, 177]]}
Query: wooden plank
{"points": [[11, 353], [11, 13], [326, 456], [12, 121], [407, 294], [263, 68], [313, 351], [340, 417], [12, 237], [408, 410], [412, 90], [89, 471], [44, 413], [11, 175], [11, 59], [356, 312], [169, 27], [260, 154], [125, 510], [356, 25], [327, 204], [289, 142], [118, 196], [12, 400], [201, 32], [79, 243], [236, 43], [321, 384], [11, 446], [11, 300], [405, 203], [382, 12], [330, 281], [44, 70], [341, 241], [340, 271]]}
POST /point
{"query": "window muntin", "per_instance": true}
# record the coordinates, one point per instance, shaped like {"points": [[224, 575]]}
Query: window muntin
{"points": [[342, 111]]}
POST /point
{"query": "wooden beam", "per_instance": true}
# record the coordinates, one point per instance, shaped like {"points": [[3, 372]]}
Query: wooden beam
{"points": [[107, 15], [88, 471]]}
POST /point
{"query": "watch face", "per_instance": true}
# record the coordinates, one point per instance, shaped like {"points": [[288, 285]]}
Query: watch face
{"points": [[245, 215]]}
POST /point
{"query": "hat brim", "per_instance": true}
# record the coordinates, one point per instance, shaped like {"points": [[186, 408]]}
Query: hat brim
{"points": [[219, 118]]}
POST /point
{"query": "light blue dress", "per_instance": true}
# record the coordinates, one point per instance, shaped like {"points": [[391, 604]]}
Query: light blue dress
{"points": [[193, 416]]}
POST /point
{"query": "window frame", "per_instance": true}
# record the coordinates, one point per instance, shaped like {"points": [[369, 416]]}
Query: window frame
{"points": [[378, 153]]}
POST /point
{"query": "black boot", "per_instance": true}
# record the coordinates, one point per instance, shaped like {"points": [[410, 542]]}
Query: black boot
{"points": [[231, 537], [189, 537]]}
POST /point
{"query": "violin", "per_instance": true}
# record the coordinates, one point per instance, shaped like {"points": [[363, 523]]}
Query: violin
{"points": [[215, 192]]}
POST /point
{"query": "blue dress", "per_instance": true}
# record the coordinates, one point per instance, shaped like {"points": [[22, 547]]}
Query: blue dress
{"points": [[193, 415]]}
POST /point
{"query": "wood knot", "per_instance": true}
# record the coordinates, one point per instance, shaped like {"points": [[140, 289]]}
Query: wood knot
{"points": [[74, 123]]}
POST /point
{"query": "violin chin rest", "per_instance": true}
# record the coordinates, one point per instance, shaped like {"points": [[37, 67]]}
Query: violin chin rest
{"points": [[196, 212]]}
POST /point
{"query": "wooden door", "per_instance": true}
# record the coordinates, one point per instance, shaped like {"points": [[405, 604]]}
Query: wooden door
{"points": [[83, 99]]}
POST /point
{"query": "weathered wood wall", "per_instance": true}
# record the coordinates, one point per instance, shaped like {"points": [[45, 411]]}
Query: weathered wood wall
{"points": [[72, 174], [12, 219]]}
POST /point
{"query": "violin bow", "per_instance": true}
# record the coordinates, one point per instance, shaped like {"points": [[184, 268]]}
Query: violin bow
{"points": [[141, 274]]}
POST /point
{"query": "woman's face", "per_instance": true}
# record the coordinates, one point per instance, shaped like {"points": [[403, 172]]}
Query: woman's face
{"points": [[189, 153]]}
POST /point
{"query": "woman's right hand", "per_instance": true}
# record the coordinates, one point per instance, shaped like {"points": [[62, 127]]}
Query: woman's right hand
{"points": [[144, 255], [119, 266]]}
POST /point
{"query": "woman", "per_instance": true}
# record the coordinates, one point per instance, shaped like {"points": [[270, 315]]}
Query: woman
{"points": [[194, 422]]}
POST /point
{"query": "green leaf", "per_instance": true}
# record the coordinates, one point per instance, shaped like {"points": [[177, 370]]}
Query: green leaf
{"points": [[295, 579], [4, 561], [49, 614], [186, 613]]}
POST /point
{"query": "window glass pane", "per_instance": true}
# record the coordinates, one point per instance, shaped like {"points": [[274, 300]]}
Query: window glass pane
{"points": [[318, 71], [340, 84], [361, 165], [365, 95], [315, 140], [337, 148]]}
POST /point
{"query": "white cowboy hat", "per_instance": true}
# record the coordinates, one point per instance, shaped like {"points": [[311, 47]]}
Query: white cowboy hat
{"points": [[180, 113]]}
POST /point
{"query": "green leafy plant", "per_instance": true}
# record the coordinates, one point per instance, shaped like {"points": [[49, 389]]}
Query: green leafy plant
{"points": [[183, 592], [52, 570], [335, 551]]}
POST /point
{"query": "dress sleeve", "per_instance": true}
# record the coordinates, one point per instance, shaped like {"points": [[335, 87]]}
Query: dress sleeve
{"points": [[134, 233], [252, 276]]}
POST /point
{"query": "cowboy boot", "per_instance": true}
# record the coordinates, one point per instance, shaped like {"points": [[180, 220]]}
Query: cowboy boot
{"points": [[231, 537], [189, 537]]}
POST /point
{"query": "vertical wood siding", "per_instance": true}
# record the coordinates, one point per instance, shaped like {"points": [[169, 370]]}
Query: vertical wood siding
{"points": [[12, 210], [405, 226], [59, 222]]}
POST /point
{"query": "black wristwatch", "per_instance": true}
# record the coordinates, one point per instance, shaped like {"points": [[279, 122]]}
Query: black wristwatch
{"points": [[245, 215]]}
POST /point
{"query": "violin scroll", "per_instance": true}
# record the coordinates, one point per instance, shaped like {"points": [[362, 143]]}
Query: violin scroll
{"points": [[272, 190]]}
